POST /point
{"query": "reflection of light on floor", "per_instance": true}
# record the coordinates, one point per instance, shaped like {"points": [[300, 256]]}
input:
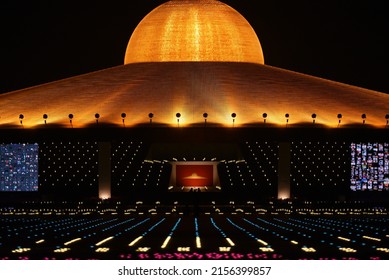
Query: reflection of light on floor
{"points": [[61, 250], [348, 250], [224, 249], [308, 250], [102, 250], [266, 249], [72, 241], [21, 250], [135, 241], [386, 250], [103, 241], [183, 249], [143, 249]]}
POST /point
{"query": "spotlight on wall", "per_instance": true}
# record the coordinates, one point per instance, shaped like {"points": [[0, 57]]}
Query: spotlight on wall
{"points": [[123, 115], [363, 118], [45, 116], [340, 119], [205, 116], [21, 117], [387, 120], [178, 116], [151, 116], [233, 116], [314, 118], [264, 116], [71, 119], [97, 116], [287, 118]]}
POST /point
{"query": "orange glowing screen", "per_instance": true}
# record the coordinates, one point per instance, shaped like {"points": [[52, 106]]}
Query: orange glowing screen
{"points": [[194, 175]]}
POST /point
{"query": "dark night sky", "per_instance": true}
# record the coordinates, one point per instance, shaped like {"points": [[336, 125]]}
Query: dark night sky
{"points": [[42, 41]]}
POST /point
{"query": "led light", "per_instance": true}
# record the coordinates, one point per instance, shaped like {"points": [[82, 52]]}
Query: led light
{"points": [[224, 249], [103, 241], [183, 249], [135, 241], [198, 242], [143, 249], [61, 250], [294, 242], [166, 242], [371, 238], [343, 238], [72, 241], [348, 250], [40, 241], [386, 250], [308, 250], [262, 242], [21, 250], [230, 242], [266, 249], [102, 250]]}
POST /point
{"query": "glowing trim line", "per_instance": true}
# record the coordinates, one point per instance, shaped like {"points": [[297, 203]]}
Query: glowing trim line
{"points": [[166, 242], [135, 241], [262, 242], [371, 238], [198, 242], [103, 241], [343, 238], [72, 241], [230, 242]]}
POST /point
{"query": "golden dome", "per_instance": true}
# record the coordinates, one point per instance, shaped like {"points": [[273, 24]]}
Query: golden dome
{"points": [[194, 30]]}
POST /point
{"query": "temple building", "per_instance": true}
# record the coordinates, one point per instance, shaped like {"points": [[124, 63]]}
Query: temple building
{"points": [[196, 135]]}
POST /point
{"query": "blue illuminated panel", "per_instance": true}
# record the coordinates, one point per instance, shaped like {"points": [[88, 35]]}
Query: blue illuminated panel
{"points": [[369, 166], [18, 167]]}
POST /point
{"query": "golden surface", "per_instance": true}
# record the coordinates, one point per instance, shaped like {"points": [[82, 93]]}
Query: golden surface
{"points": [[192, 88], [194, 30]]}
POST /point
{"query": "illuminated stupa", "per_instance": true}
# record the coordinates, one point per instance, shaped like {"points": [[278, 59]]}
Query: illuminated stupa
{"points": [[187, 30], [193, 57]]}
